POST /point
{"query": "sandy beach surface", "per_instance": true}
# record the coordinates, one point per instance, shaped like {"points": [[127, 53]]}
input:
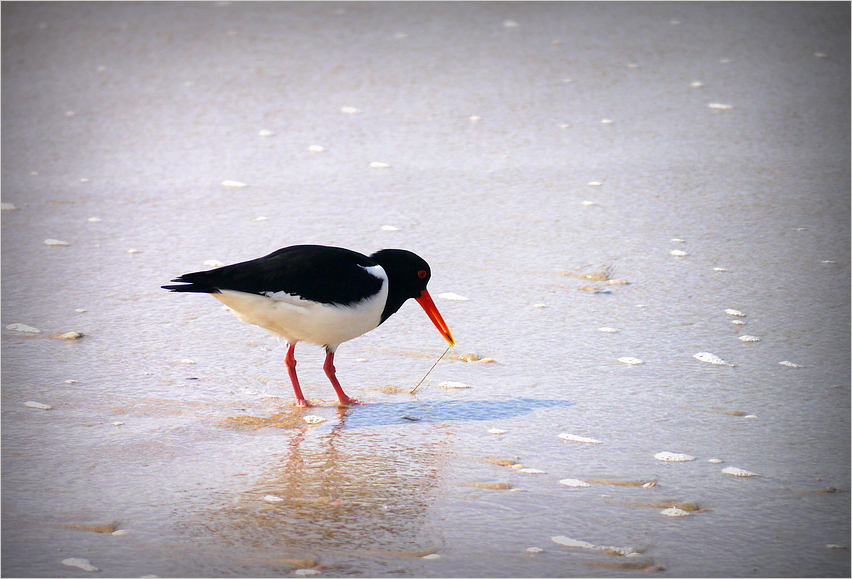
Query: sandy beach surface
{"points": [[645, 205]]}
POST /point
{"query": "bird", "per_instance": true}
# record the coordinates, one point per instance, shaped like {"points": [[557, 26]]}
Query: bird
{"points": [[319, 294]]}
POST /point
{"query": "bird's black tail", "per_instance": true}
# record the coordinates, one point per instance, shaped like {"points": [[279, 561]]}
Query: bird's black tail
{"points": [[191, 285]]}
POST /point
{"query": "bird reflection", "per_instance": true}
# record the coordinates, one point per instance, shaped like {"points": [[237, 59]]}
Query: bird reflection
{"points": [[356, 487]]}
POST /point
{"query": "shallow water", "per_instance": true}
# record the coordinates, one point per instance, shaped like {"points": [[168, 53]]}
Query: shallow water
{"points": [[180, 422]]}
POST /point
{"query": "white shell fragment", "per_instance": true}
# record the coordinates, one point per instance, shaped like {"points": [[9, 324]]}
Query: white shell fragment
{"points": [[349, 110], [587, 203], [306, 572], [734, 471], [71, 335], [7, 207], [273, 499], [719, 269], [574, 482], [674, 512], [630, 360], [316, 149], [607, 330], [532, 471], [94, 219], [673, 457], [497, 431], [474, 118], [389, 228], [711, 359], [738, 322], [431, 556], [786, 363], [569, 542], [55, 242], [379, 165], [37, 405], [313, 419], [80, 563], [120, 533], [737, 313], [213, 263], [748, 339], [229, 183], [714, 461], [23, 328], [696, 84], [451, 384], [265, 133], [510, 24], [720, 106], [575, 438], [540, 306], [535, 550], [594, 183], [453, 296], [678, 253]]}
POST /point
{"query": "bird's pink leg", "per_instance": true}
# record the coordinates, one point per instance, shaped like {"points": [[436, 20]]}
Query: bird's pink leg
{"points": [[290, 362], [332, 376]]}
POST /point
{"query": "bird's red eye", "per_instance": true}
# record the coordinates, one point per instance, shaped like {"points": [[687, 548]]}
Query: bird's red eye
{"points": [[422, 273]]}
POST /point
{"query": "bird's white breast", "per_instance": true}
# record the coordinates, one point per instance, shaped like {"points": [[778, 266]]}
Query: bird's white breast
{"points": [[298, 319]]}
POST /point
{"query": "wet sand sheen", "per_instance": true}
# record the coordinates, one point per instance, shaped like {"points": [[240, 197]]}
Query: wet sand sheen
{"points": [[637, 221]]}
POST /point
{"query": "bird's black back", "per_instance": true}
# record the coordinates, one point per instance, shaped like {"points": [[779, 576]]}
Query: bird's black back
{"points": [[331, 275]]}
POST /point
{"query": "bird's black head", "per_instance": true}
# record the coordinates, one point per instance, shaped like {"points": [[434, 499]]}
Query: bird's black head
{"points": [[408, 275]]}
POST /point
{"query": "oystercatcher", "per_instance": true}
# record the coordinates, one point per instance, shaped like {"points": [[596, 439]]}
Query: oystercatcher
{"points": [[319, 294]]}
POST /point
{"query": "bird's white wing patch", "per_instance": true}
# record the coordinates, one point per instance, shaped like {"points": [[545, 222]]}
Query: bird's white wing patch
{"points": [[284, 299], [375, 270]]}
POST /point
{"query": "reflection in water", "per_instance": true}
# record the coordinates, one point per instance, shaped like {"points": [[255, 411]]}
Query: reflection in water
{"points": [[353, 495], [346, 495]]}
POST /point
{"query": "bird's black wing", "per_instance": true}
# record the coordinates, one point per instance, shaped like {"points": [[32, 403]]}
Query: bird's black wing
{"points": [[313, 272]]}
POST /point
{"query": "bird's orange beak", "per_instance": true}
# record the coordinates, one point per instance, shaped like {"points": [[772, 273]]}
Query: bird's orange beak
{"points": [[425, 301]]}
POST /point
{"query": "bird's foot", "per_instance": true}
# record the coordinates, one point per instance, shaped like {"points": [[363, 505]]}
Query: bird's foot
{"points": [[302, 403], [347, 401]]}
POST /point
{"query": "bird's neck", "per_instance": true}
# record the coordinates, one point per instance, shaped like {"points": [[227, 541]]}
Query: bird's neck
{"points": [[393, 303]]}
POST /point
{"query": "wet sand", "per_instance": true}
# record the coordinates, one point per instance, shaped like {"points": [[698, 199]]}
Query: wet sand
{"points": [[567, 167]]}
